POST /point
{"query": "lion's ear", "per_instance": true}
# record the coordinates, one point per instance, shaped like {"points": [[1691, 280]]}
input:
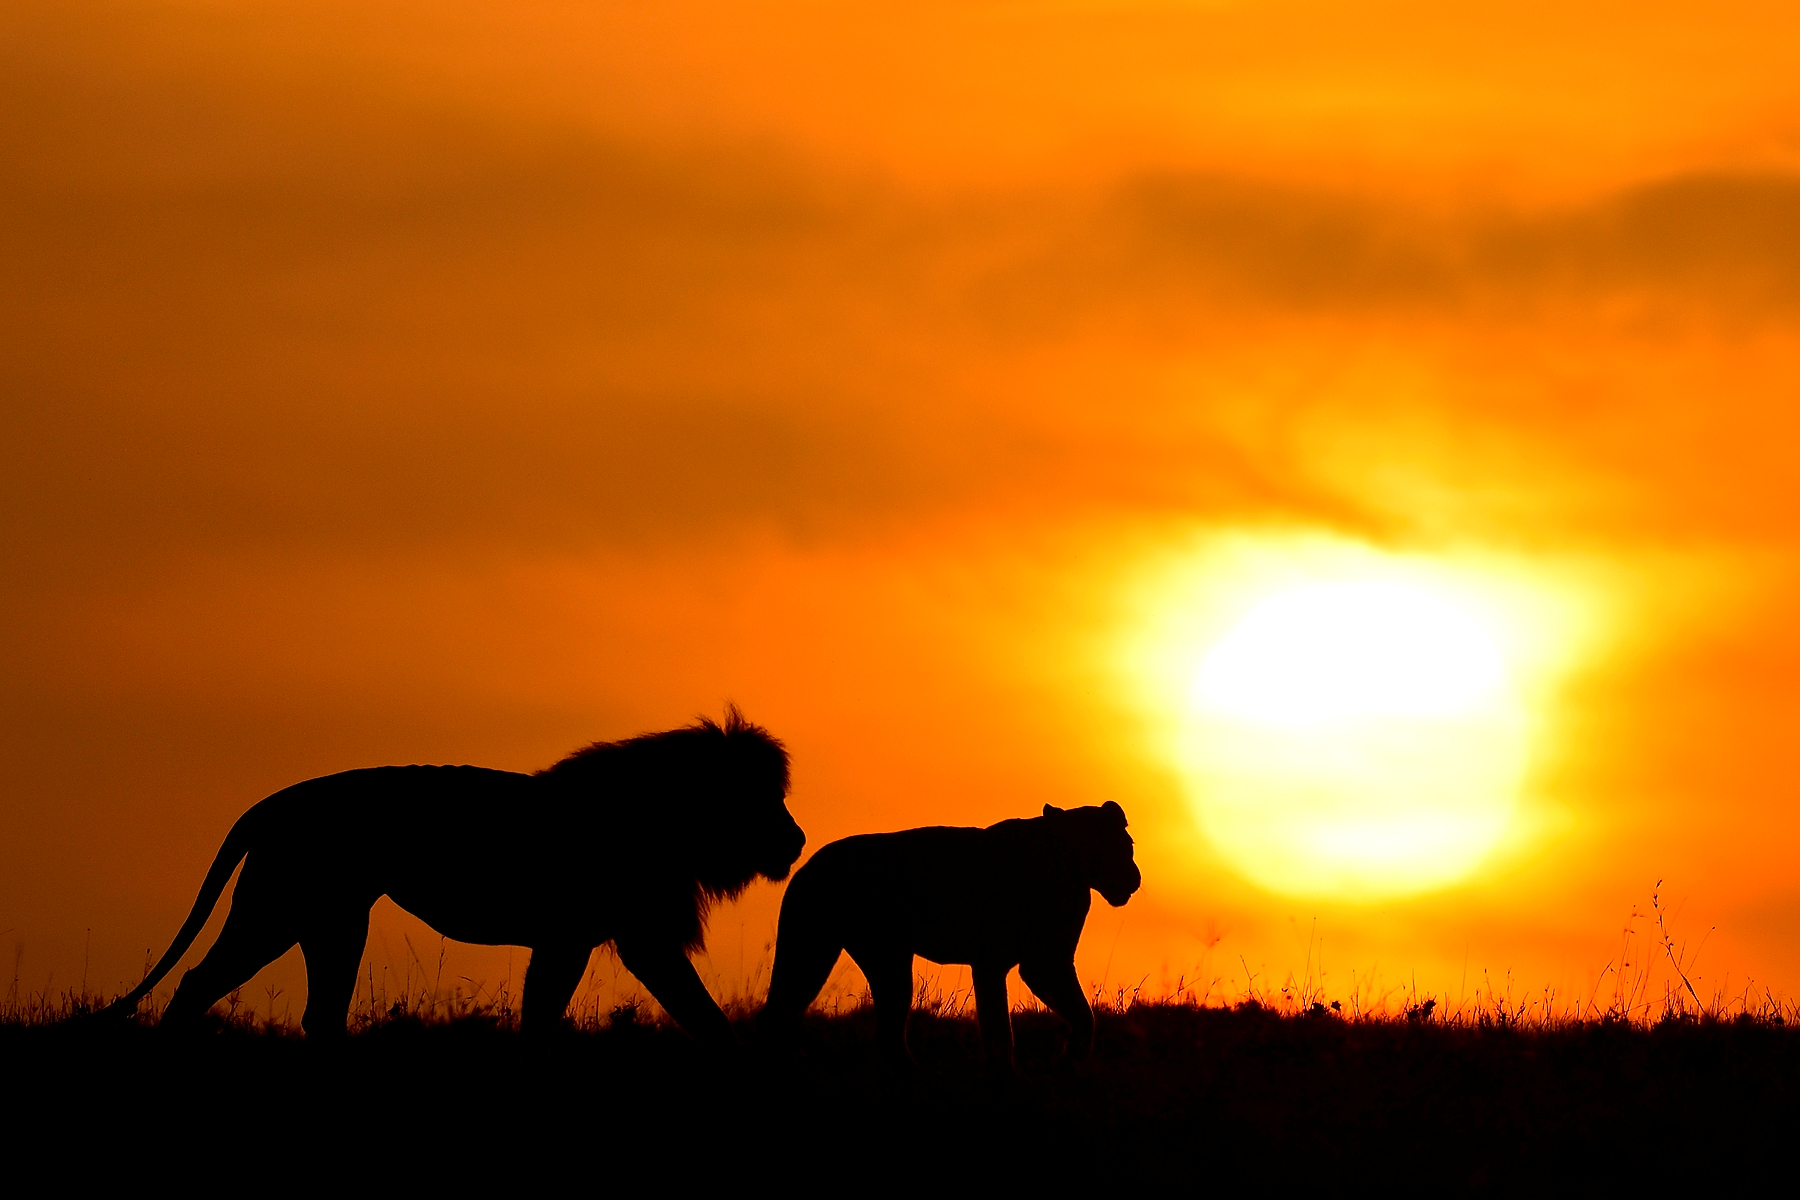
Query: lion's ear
{"points": [[1051, 810], [1111, 808]]}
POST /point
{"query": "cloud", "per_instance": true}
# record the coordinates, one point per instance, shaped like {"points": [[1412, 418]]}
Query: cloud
{"points": [[1698, 239], [280, 301]]}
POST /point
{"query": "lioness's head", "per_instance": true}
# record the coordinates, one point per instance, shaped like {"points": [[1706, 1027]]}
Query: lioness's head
{"points": [[1102, 849]]}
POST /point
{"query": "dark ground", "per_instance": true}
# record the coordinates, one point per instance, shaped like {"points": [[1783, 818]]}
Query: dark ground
{"points": [[1173, 1096]]}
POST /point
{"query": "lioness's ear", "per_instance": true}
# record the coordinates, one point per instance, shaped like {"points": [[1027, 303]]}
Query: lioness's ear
{"points": [[1111, 808], [1051, 808]]}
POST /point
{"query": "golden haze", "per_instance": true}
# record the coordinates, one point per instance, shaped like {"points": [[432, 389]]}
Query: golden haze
{"points": [[399, 382]]}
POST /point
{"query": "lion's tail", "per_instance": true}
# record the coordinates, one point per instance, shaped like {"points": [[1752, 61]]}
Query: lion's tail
{"points": [[237, 844]]}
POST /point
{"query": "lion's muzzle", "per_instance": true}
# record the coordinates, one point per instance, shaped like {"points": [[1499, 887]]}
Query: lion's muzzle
{"points": [[783, 858]]}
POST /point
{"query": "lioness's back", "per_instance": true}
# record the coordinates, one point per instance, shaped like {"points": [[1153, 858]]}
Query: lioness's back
{"points": [[901, 856], [931, 886], [943, 861]]}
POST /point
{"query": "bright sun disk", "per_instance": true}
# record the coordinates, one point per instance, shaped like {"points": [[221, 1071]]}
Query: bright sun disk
{"points": [[1342, 650], [1356, 740]]}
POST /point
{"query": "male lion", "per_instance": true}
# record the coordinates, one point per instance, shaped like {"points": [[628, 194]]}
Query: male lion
{"points": [[628, 842], [1013, 894]]}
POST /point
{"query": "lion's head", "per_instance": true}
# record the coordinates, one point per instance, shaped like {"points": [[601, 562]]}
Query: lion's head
{"points": [[744, 768], [1096, 838], [714, 794]]}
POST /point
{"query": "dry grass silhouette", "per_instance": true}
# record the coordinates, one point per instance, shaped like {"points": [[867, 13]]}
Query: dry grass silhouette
{"points": [[1650, 982], [1646, 1074]]}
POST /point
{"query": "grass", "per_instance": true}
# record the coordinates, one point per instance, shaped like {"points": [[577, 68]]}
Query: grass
{"points": [[1276, 1089], [1639, 1077]]}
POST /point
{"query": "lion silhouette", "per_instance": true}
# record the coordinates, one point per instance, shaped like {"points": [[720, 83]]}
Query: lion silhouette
{"points": [[628, 842], [1012, 894]]}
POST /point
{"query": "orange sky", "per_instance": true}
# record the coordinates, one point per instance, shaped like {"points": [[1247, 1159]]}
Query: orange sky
{"points": [[394, 382]]}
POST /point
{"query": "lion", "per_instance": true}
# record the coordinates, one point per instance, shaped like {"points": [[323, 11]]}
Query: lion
{"points": [[627, 842], [1012, 894]]}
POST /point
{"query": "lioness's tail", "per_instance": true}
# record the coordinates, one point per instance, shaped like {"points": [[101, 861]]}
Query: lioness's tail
{"points": [[237, 844]]}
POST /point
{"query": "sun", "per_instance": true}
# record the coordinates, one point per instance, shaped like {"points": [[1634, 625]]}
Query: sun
{"points": [[1340, 651], [1355, 739]]}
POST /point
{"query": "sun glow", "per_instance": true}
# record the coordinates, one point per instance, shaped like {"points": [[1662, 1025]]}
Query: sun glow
{"points": [[1351, 724]]}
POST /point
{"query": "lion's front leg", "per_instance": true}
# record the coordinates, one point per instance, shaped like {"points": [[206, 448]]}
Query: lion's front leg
{"points": [[664, 969], [551, 978], [1057, 985]]}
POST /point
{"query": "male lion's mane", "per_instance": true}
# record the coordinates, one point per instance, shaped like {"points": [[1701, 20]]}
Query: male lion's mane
{"points": [[662, 792]]}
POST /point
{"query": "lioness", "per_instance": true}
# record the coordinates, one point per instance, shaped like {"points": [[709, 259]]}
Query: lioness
{"points": [[628, 842], [1013, 894]]}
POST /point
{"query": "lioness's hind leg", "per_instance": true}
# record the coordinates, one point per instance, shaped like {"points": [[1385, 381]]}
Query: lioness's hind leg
{"points": [[994, 1016], [802, 965], [890, 983], [333, 948], [1057, 985]]}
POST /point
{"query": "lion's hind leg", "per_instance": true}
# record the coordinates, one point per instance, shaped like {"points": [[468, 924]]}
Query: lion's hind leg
{"points": [[333, 945], [255, 935]]}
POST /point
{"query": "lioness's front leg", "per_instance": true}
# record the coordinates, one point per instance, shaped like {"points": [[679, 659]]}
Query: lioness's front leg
{"points": [[1057, 985], [664, 969]]}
